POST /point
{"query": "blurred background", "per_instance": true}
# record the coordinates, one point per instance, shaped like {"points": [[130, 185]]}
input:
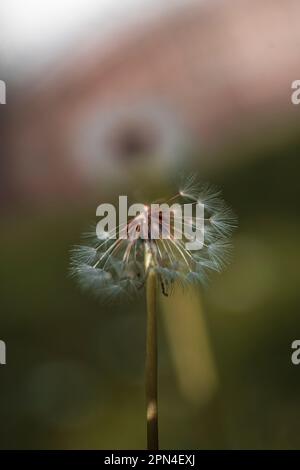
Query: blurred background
{"points": [[107, 98]]}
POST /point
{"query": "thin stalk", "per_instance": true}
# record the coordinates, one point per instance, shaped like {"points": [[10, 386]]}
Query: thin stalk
{"points": [[151, 363]]}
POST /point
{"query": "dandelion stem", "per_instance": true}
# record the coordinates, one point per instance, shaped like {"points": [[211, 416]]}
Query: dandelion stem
{"points": [[151, 363]]}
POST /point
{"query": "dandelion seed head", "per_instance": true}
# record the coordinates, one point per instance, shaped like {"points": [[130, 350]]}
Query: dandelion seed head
{"points": [[111, 267]]}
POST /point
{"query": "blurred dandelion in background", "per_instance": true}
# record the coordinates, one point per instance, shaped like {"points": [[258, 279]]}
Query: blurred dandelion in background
{"points": [[122, 141]]}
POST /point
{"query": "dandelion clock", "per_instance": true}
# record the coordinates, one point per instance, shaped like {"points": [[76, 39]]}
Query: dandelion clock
{"points": [[156, 247]]}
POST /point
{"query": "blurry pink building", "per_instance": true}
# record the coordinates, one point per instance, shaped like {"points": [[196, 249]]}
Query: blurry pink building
{"points": [[202, 77]]}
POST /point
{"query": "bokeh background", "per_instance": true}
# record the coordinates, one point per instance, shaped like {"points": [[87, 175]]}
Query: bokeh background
{"points": [[108, 98]]}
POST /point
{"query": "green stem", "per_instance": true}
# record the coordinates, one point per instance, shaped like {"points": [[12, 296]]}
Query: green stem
{"points": [[151, 363]]}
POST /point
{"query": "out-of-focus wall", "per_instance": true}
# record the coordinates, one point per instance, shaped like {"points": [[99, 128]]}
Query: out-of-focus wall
{"points": [[199, 77]]}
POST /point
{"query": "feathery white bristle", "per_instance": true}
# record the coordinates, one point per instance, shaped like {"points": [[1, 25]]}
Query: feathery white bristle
{"points": [[112, 267]]}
